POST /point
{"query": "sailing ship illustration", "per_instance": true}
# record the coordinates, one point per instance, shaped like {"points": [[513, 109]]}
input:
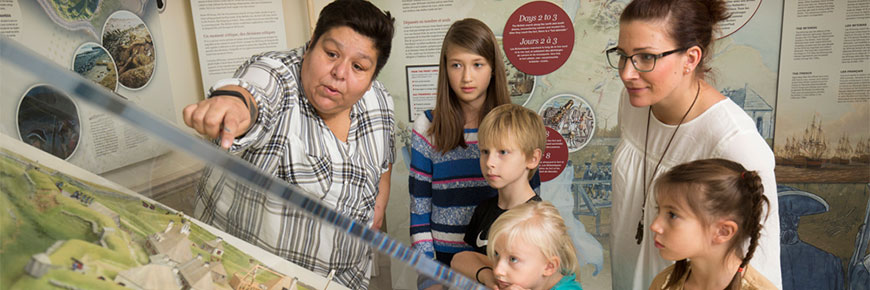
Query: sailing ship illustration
{"points": [[808, 150], [861, 153], [843, 151]]}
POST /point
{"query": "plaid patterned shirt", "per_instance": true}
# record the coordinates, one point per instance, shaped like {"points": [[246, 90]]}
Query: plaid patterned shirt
{"points": [[290, 141]]}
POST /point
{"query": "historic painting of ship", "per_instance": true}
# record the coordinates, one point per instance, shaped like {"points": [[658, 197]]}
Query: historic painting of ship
{"points": [[811, 149], [810, 156], [843, 151], [807, 150], [861, 153]]}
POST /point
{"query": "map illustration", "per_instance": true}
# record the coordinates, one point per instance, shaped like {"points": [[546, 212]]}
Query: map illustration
{"points": [[87, 15]]}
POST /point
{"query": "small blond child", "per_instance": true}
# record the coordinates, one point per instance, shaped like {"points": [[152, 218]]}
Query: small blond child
{"points": [[511, 141], [531, 249]]}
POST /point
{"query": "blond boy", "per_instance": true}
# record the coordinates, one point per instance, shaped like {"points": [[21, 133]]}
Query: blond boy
{"points": [[512, 140]]}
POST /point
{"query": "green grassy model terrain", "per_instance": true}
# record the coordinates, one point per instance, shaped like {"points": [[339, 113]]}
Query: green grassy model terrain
{"points": [[39, 215]]}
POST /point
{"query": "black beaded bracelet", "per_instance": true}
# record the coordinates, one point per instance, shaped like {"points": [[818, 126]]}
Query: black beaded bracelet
{"points": [[477, 275], [229, 93], [252, 111]]}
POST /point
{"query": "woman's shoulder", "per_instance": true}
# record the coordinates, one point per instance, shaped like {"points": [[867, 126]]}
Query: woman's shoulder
{"points": [[728, 115], [726, 122], [289, 57], [735, 136]]}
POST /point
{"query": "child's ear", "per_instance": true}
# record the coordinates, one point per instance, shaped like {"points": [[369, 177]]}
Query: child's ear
{"points": [[724, 231], [553, 265], [534, 159]]}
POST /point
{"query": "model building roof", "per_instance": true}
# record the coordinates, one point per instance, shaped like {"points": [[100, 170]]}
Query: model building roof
{"points": [[152, 276], [197, 274], [173, 243]]}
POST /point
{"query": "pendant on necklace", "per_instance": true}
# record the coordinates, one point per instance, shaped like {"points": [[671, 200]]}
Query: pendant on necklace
{"points": [[639, 235]]}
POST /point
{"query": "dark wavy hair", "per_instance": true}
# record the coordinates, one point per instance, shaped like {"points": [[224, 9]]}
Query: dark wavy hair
{"points": [[364, 18], [718, 188], [690, 22]]}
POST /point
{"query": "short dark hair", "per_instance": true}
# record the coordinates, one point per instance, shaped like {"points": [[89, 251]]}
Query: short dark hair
{"points": [[364, 18]]}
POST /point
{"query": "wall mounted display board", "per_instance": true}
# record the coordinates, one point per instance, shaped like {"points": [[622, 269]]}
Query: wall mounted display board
{"points": [[797, 68], [116, 43], [229, 32]]}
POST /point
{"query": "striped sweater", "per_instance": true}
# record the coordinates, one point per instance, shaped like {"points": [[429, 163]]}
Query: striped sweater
{"points": [[445, 189]]}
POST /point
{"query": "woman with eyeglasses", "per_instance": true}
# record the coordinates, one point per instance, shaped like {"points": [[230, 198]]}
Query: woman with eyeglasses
{"points": [[669, 115]]}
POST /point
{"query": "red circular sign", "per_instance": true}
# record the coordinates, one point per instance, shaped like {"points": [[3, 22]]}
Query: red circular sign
{"points": [[555, 157], [538, 38]]}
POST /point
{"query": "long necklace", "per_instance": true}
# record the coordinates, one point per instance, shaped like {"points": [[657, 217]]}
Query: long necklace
{"points": [[639, 235]]}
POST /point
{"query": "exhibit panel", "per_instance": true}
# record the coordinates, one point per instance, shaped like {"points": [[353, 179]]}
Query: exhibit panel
{"points": [[66, 226], [796, 68], [118, 44]]}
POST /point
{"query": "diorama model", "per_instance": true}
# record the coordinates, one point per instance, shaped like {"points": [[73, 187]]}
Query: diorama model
{"points": [[66, 232]]}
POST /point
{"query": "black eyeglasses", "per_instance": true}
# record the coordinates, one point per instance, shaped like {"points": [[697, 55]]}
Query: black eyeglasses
{"points": [[642, 62]]}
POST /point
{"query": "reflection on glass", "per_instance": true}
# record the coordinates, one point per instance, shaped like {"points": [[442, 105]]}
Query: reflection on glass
{"points": [[112, 234]]}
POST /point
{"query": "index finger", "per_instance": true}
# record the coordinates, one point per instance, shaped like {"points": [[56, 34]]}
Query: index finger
{"points": [[229, 131]]}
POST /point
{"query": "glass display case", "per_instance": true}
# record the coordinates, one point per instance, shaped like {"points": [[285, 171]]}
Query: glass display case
{"points": [[82, 168]]}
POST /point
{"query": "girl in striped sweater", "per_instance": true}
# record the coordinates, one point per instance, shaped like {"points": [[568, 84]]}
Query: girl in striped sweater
{"points": [[445, 180]]}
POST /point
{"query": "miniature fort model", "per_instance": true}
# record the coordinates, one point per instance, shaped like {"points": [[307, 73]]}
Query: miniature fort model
{"points": [[62, 231]]}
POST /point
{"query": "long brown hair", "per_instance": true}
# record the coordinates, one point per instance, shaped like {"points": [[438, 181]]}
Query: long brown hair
{"points": [[718, 188], [690, 22], [448, 121]]}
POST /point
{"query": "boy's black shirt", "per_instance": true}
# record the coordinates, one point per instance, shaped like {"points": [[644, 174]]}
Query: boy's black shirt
{"points": [[483, 217]]}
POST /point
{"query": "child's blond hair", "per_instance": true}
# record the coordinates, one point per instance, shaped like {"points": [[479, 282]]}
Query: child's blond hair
{"points": [[536, 223], [513, 123]]}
